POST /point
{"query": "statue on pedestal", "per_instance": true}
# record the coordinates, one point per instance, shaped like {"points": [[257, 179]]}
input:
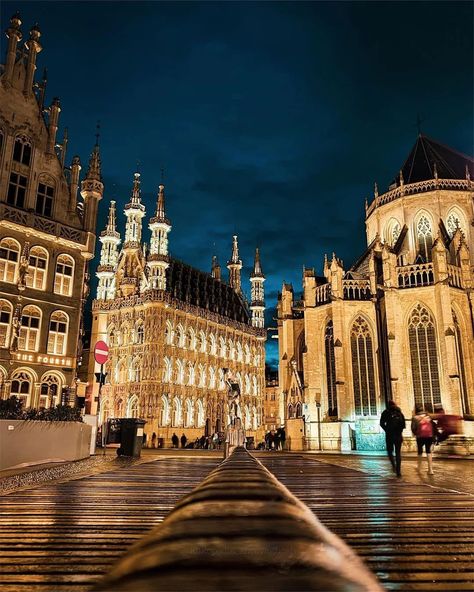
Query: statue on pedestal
{"points": [[235, 433]]}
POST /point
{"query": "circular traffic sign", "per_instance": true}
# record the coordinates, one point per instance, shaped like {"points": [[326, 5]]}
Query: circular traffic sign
{"points": [[101, 352]]}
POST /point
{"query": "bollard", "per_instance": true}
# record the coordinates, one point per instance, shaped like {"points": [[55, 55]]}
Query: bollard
{"points": [[240, 529]]}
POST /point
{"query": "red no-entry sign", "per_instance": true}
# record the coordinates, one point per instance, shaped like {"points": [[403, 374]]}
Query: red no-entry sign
{"points": [[101, 352]]}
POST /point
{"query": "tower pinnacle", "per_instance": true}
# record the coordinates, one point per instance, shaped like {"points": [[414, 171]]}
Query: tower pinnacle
{"points": [[158, 260], [257, 305], [110, 240], [216, 268], [234, 266]]}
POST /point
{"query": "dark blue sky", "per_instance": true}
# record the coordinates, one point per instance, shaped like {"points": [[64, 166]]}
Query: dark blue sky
{"points": [[272, 120]]}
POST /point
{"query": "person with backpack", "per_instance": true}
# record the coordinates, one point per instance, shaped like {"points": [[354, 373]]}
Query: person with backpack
{"points": [[392, 421], [424, 430]]}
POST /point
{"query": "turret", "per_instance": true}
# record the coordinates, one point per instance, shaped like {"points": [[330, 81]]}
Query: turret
{"points": [[234, 266], [34, 47], [158, 260], [110, 240], [14, 36], [92, 190], [54, 112], [134, 212], [215, 269], [257, 305]]}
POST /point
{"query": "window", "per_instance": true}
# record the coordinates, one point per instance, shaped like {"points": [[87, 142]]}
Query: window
{"points": [[22, 150], [132, 407], [453, 222], [247, 354], [30, 328], [222, 347], [466, 408], [38, 262], [17, 190], [424, 238], [165, 410], [49, 391], [213, 344], [221, 379], [136, 371], [180, 337], [363, 373], [191, 374], [200, 414], [330, 370], [212, 378], [424, 358], [167, 370], [247, 419], [140, 335], [202, 376], [247, 384], [240, 353], [179, 372], [44, 200], [392, 232], [63, 278], [5, 322], [169, 333], [189, 414], [177, 412], [21, 387], [9, 256], [57, 336]]}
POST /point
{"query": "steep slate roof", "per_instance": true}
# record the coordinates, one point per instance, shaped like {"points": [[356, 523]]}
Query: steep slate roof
{"points": [[419, 166], [198, 288]]}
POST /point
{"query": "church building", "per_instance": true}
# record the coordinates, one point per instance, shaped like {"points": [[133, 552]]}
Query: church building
{"points": [[47, 235], [175, 334], [398, 324]]}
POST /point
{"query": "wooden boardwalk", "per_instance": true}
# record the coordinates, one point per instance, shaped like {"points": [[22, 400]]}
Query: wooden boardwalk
{"points": [[414, 537], [64, 536]]}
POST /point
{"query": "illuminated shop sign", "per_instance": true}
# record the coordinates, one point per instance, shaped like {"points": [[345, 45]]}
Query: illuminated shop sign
{"points": [[44, 359]]}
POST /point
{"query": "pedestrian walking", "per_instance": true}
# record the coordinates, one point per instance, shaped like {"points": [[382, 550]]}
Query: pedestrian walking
{"points": [[153, 440], [282, 437], [423, 429], [446, 425], [393, 423], [183, 441], [175, 440]]}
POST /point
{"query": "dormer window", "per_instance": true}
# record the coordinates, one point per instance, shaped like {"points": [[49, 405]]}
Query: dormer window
{"points": [[44, 200]]}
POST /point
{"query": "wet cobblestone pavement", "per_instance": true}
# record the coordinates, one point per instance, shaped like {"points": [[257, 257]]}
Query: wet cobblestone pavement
{"points": [[63, 536], [414, 537]]}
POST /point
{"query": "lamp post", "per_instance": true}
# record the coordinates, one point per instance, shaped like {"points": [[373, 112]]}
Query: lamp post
{"points": [[318, 409]]}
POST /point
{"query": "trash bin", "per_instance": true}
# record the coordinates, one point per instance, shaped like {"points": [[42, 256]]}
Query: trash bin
{"points": [[131, 437]]}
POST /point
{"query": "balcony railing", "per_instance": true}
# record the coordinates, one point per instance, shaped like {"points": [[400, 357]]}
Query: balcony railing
{"points": [[323, 294], [356, 289], [455, 276], [416, 275]]}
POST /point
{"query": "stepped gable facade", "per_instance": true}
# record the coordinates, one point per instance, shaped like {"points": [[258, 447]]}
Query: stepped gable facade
{"points": [[47, 234], [174, 332], [396, 325]]}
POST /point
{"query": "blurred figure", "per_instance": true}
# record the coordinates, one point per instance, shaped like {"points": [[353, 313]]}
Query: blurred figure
{"points": [[175, 440], [183, 441], [153, 440], [393, 423], [423, 429], [446, 425]]}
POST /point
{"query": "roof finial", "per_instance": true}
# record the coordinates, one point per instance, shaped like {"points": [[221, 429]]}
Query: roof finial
{"points": [[376, 190], [235, 250], [94, 171], [257, 266], [468, 174], [135, 201], [160, 204], [435, 170], [402, 180], [111, 220]]}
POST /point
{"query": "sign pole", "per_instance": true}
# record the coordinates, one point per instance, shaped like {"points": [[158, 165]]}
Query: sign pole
{"points": [[101, 355]]}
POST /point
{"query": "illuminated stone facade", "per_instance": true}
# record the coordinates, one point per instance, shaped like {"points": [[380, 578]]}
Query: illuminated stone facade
{"points": [[173, 331], [272, 407], [398, 324], [47, 235]]}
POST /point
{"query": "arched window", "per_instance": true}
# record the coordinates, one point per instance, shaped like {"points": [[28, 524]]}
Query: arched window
{"points": [[231, 350], [247, 384], [165, 410], [121, 372], [212, 377], [363, 371], [119, 407], [140, 333], [111, 336], [247, 418], [221, 379], [299, 410], [136, 370], [22, 150], [254, 386], [37, 268], [202, 376], [200, 414], [30, 328], [191, 374], [169, 333], [212, 344], [6, 311], [247, 353], [254, 418], [22, 387], [240, 352], [222, 347], [167, 370], [202, 342], [453, 222], [44, 198], [461, 363], [57, 336], [392, 232], [191, 339], [424, 358], [179, 372], [189, 420], [180, 337], [63, 279], [50, 391], [9, 257], [132, 407], [177, 412], [424, 236], [330, 370]]}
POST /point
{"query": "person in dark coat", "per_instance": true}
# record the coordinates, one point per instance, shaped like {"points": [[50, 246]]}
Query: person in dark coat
{"points": [[183, 441], [175, 440], [393, 423]]}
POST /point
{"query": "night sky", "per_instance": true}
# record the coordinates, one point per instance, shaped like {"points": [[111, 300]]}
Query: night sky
{"points": [[271, 120]]}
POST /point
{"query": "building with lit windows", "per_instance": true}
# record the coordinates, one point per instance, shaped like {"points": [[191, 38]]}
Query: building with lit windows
{"points": [[47, 234], [174, 332], [396, 325]]}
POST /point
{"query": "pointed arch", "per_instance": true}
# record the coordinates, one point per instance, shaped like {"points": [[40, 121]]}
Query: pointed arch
{"points": [[424, 357], [332, 409], [189, 414], [177, 412], [169, 333], [212, 344], [392, 231], [133, 407], [167, 369], [165, 410], [423, 232], [37, 268], [455, 219], [363, 368], [201, 420], [6, 316], [9, 259]]}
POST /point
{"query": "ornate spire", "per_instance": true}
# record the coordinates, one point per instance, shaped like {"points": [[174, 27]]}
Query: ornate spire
{"points": [[215, 268], [160, 215], [257, 305], [94, 170], [135, 200], [234, 265], [111, 228], [235, 250], [257, 266]]}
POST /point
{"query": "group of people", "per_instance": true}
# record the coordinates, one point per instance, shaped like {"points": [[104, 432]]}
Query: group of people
{"points": [[428, 429], [274, 440]]}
